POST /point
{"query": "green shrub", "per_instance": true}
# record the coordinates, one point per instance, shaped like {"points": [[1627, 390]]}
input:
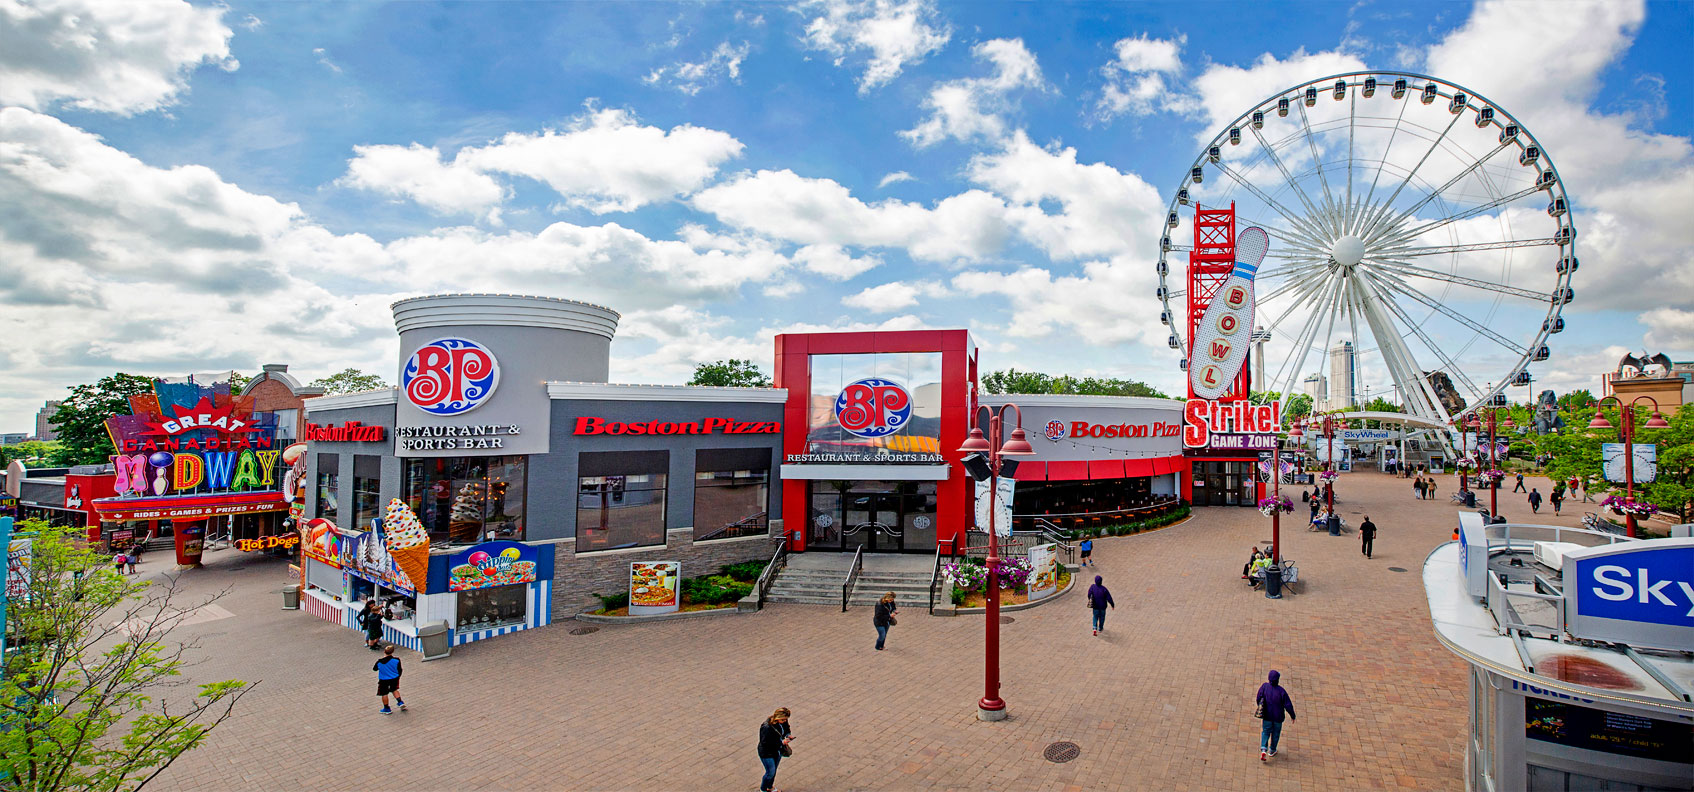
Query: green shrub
{"points": [[714, 590], [613, 601], [746, 571], [957, 596]]}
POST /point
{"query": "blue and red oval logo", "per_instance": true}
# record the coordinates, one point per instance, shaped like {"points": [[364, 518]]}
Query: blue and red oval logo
{"points": [[450, 376], [873, 408], [1055, 430]]}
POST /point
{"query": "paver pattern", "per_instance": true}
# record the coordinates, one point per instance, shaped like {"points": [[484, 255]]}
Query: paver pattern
{"points": [[1162, 700]]}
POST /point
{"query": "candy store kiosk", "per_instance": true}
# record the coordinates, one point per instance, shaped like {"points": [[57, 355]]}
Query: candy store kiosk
{"points": [[373, 573], [325, 594], [494, 588]]}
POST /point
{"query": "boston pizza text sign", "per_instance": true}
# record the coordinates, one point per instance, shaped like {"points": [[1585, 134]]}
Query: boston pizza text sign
{"points": [[349, 432], [1204, 418], [594, 426]]}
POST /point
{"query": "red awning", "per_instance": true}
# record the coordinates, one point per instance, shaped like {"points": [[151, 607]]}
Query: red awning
{"points": [[1067, 471], [1105, 469], [1031, 471], [1137, 468]]}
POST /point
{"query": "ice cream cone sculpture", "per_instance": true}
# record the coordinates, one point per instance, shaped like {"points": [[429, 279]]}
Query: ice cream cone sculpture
{"points": [[407, 543], [1224, 334]]}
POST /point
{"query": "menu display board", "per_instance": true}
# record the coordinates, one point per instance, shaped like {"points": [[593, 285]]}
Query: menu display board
{"points": [[1609, 732], [1043, 572], [654, 587]]}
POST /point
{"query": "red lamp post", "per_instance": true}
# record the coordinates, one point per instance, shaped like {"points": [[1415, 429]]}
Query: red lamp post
{"points": [[1657, 421], [1493, 447], [992, 707], [1295, 435], [1329, 462]]}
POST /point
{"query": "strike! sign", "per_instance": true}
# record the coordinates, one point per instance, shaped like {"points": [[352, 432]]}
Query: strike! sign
{"points": [[450, 376], [873, 408]]}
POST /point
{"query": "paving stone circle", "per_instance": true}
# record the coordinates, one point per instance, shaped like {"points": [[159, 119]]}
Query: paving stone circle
{"points": [[1061, 752], [584, 630], [1396, 569], [1007, 620]]}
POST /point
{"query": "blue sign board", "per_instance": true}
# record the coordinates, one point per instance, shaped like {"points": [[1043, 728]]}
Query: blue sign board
{"points": [[1633, 592]]}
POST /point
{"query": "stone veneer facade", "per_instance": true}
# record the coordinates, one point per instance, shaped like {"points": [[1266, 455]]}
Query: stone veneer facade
{"points": [[577, 578]]}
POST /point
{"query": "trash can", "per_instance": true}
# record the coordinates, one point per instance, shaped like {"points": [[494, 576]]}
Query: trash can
{"points": [[1334, 525], [1273, 582], [432, 638], [1470, 499], [291, 597]]}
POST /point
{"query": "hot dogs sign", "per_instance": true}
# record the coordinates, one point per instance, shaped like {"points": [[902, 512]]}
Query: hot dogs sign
{"points": [[1224, 333]]}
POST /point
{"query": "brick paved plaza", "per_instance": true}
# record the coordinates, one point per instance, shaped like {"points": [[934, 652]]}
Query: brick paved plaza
{"points": [[1163, 700]]}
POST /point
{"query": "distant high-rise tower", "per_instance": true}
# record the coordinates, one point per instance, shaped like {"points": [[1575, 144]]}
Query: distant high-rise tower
{"points": [[1342, 376], [45, 429], [1315, 387]]}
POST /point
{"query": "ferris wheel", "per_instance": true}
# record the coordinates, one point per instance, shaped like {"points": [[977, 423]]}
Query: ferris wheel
{"points": [[1420, 240]]}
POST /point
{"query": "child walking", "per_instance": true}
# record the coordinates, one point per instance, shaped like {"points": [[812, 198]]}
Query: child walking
{"points": [[388, 679]]}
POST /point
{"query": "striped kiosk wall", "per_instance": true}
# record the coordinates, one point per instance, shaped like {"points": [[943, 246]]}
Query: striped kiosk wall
{"points": [[538, 614]]}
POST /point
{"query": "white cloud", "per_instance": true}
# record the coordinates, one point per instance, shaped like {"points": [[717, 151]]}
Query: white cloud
{"points": [[894, 32], [724, 62], [781, 204], [893, 296], [832, 261], [1137, 79], [417, 172], [895, 178], [1669, 329], [604, 162], [323, 60], [970, 108], [1224, 92], [1102, 211], [111, 57]]}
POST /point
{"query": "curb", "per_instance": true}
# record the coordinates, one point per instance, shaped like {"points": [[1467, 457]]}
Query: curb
{"points": [[598, 619], [1024, 606]]}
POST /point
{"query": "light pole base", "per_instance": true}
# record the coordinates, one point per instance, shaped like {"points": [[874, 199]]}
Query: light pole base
{"points": [[984, 714]]}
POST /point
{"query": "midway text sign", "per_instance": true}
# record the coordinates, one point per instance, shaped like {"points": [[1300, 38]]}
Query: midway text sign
{"points": [[1640, 593]]}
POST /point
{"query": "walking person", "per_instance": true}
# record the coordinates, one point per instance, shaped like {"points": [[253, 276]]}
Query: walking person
{"points": [[774, 736], [1519, 487], [1534, 500], [1429, 488], [884, 619], [371, 619], [1098, 599], [1087, 549], [387, 670], [1273, 705], [1557, 496], [1367, 534], [1417, 488], [1587, 490]]}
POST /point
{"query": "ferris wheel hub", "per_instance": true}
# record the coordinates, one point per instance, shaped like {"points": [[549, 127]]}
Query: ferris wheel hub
{"points": [[1347, 251]]}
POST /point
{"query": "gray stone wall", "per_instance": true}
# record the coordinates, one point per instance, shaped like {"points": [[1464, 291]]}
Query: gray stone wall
{"points": [[577, 578]]}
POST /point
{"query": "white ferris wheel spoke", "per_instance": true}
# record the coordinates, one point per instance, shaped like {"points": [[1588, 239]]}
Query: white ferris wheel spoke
{"points": [[1376, 217], [1452, 369], [1381, 165], [1390, 225], [1288, 237], [1311, 231], [1413, 233], [1408, 268], [1398, 285], [1441, 250], [1302, 341], [1317, 163], [1271, 152]]}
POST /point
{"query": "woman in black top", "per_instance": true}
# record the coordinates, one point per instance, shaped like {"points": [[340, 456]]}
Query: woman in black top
{"points": [[773, 743], [883, 619], [371, 620]]}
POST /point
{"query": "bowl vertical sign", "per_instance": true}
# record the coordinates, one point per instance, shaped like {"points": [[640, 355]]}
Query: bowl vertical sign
{"points": [[450, 376], [1224, 332], [654, 587]]}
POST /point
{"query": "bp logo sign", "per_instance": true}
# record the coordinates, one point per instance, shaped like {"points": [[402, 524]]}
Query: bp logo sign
{"points": [[1055, 430], [873, 408], [450, 376]]}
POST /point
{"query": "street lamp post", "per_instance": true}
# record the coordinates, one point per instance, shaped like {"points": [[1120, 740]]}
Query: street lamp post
{"points": [[1493, 447], [1657, 421], [1329, 463], [992, 707]]}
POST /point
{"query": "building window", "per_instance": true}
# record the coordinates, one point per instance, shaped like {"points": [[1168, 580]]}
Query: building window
{"points": [[731, 493], [287, 421], [469, 499], [495, 606], [329, 486], [620, 499], [367, 490]]}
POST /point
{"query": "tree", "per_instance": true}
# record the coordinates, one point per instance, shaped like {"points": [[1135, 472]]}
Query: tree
{"points": [[237, 381], [1014, 381], [84, 702], [82, 418], [1296, 407], [1576, 400], [34, 453], [731, 373], [348, 381]]}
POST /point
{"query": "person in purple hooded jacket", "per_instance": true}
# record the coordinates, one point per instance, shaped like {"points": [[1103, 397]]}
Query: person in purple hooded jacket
{"points": [[1275, 703], [1098, 599]]}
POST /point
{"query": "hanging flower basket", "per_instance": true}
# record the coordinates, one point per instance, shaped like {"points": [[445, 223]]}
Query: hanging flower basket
{"points": [[1270, 506], [1464, 463], [1638, 509], [970, 576], [1494, 475], [1328, 476]]}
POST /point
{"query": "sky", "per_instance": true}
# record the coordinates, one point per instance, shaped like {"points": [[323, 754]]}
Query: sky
{"points": [[197, 187]]}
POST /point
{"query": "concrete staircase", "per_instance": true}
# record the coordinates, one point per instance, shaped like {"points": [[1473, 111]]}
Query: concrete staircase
{"points": [[815, 579]]}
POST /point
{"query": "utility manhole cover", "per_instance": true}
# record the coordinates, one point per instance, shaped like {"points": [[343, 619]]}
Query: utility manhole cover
{"points": [[1396, 569], [1007, 620], [584, 630], [1061, 752]]}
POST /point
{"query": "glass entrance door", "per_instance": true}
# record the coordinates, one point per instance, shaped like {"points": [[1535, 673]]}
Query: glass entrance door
{"points": [[873, 521], [880, 516]]}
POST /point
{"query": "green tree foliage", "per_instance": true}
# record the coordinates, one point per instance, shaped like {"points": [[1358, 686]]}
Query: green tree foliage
{"points": [[87, 702], [348, 381], [731, 373], [237, 381], [82, 418], [34, 453], [1379, 404], [1576, 400], [1576, 451], [1014, 381], [1296, 407]]}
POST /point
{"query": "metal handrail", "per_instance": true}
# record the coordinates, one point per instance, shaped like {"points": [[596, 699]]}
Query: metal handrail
{"points": [[767, 578], [852, 576]]}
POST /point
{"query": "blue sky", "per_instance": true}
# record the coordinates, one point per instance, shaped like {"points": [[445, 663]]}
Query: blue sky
{"points": [[215, 187]]}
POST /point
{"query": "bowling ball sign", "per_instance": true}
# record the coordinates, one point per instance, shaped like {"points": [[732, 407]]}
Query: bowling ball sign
{"points": [[873, 408], [450, 376]]}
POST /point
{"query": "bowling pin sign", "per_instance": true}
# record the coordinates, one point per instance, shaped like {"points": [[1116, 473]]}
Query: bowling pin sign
{"points": [[1224, 335]]}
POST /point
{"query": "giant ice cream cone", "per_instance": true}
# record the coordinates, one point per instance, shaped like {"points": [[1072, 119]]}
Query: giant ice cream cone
{"points": [[407, 543]]}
